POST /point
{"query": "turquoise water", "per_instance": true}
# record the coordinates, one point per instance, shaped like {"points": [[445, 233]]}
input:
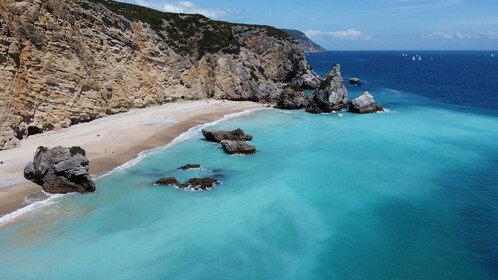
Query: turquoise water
{"points": [[407, 194]]}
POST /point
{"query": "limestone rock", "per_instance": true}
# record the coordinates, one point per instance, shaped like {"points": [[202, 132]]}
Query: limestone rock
{"points": [[332, 94], [307, 80], [292, 98], [365, 104], [60, 170], [220, 135], [238, 147]]}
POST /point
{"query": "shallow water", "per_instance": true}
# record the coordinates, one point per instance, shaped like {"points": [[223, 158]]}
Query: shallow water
{"points": [[408, 194]]}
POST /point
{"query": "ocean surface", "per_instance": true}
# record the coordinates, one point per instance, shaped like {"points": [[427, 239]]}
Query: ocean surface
{"points": [[411, 193]]}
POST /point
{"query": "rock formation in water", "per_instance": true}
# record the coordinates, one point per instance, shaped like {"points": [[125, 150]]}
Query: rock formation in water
{"points": [[355, 81], [238, 147], [189, 167], [220, 135], [292, 98], [306, 44], [64, 62], [332, 94], [365, 104], [194, 184], [60, 170]]}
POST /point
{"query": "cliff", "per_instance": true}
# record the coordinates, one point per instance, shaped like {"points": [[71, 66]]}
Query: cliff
{"points": [[306, 44], [63, 62]]}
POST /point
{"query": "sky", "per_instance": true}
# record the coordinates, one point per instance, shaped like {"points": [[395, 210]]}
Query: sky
{"points": [[362, 24]]}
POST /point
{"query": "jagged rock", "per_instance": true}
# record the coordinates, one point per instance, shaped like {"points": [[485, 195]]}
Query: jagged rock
{"points": [[332, 94], [365, 104], [355, 81], [195, 184], [60, 170], [292, 98], [190, 166], [306, 44], [220, 135], [200, 184], [307, 80], [238, 147], [169, 181]]}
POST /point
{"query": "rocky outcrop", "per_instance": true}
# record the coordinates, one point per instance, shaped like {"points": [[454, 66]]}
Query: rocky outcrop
{"points": [[60, 170], [365, 104], [189, 166], [308, 79], [238, 147], [220, 135], [306, 44], [292, 98], [332, 94], [355, 81], [64, 62], [194, 184]]}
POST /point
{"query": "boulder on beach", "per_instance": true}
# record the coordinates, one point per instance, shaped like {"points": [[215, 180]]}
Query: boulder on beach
{"points": [[189, 166], [238, 147], [365, 104], [332, 94], [292, 98], [195, 184], [60, 170], [220, 135]]}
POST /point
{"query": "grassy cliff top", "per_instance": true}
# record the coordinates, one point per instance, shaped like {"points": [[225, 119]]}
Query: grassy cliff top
{"points": [[191, 34]]}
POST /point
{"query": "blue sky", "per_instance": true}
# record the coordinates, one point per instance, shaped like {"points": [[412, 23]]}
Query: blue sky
{"points": [[363, 24]]}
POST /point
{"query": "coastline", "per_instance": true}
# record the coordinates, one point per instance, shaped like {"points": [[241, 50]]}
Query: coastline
{"points": [[110, 142]]}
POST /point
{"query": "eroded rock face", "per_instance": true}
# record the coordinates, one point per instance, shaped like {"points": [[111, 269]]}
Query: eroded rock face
{"points": [[365, 104], [292, 98], [332, 94], [307, 80], [64, 62], [238, 147], [220, 135], [60, 170]]}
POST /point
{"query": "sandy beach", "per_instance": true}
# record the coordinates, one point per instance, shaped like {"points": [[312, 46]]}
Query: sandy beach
{"points": [[111, 141]]}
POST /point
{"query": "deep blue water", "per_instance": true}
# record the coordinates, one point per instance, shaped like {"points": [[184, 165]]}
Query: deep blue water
{"points": [[407, 194]]}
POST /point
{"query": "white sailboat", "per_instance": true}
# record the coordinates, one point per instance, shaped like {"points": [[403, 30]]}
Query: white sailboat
{"points": [[413, 58], [492, 55], [420, 58]]}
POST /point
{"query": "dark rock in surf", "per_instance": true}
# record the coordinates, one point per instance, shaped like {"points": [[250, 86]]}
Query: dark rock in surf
{"points": [[200, 184], [189, 166], [292, 98], [238, 147], [220, 135]]}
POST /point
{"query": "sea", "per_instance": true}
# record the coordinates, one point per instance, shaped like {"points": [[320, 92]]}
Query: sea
{"points": [[409, 193]]}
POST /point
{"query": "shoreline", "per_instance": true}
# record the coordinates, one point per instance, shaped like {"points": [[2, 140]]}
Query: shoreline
{"points": [[111, 142]]}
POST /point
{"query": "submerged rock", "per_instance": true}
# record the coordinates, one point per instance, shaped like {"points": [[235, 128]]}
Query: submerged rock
{"points": [[169, 181], [220, 135], [238, 147], [292, 98], [60, 170], [365, 104], [332, 94], [200, 184], [196, 184], [190, 166]]}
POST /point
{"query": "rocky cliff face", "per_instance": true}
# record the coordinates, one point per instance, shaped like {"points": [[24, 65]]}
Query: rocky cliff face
{"points": [[64, 62], [306, 44]]}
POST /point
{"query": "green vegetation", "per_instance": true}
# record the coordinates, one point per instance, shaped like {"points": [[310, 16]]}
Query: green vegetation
{"points": [[191, 34]]}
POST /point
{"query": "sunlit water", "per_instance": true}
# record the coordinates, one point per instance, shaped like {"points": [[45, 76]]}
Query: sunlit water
{"points": [[407, 194]]}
